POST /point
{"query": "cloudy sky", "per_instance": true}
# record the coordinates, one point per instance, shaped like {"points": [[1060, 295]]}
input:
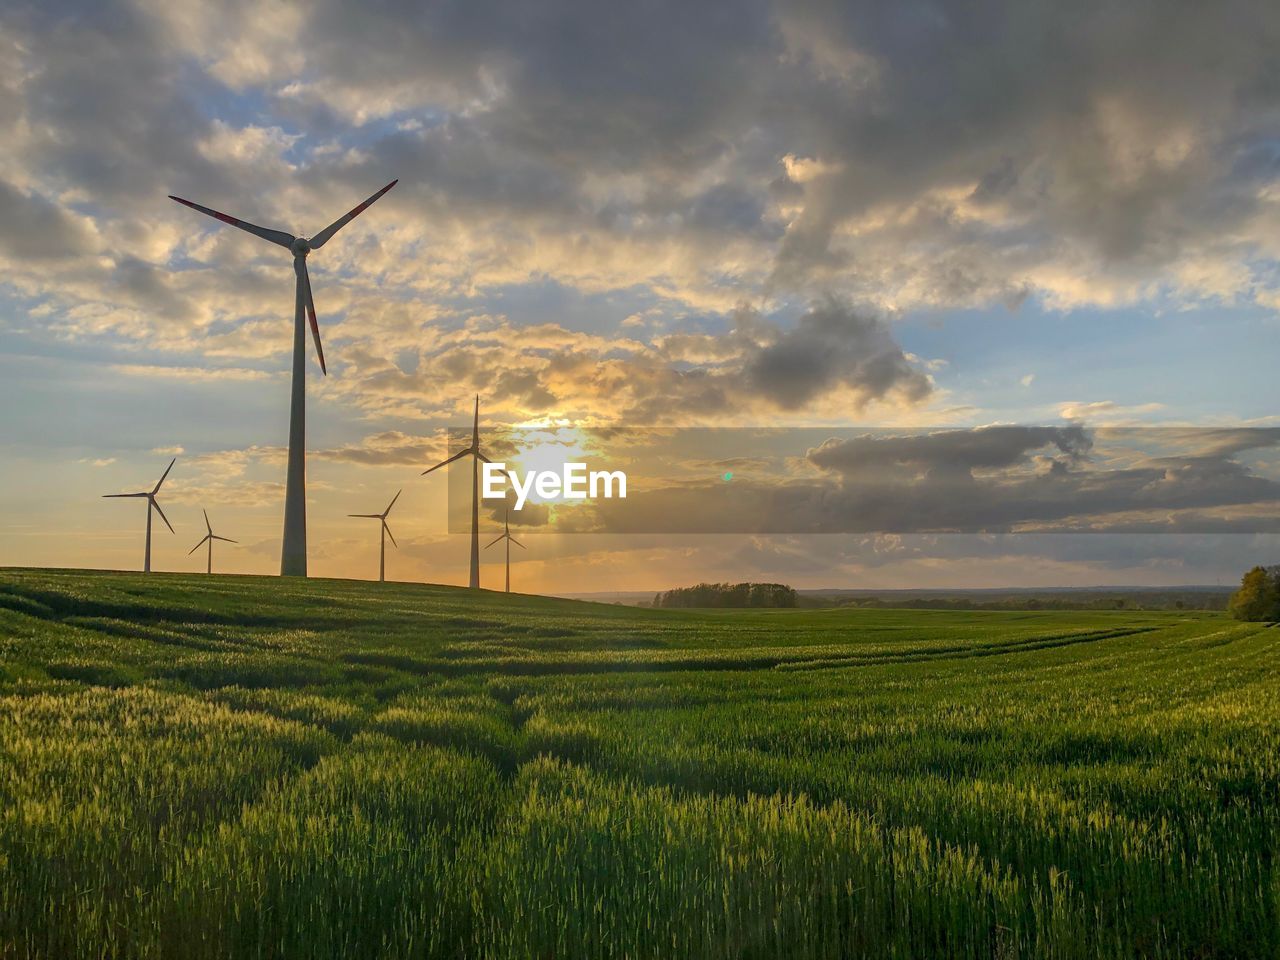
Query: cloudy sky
{"points": [[921, 216]]}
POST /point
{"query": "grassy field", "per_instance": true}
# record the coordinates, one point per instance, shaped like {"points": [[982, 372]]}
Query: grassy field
{"points": [[231, 766]]}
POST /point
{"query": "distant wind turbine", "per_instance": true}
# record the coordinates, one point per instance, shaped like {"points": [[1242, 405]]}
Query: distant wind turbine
{"points": [[151, 505], [386, 532], [293, 553], [474, 451], [506, 535], [209, 538]]}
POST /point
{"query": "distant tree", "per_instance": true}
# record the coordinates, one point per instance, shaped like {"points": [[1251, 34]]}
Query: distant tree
{"points": [[729, 595], [1258, 598]]}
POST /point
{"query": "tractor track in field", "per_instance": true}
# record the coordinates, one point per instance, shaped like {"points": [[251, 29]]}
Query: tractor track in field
{"points": [[747, 661]]}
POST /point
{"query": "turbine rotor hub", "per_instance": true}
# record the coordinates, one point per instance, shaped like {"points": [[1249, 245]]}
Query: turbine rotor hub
{"points": [[301, 246]]}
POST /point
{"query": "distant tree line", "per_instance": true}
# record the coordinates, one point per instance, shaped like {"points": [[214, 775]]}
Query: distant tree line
{"points": [[1258, 598], [1153, 601], [729, 595]]}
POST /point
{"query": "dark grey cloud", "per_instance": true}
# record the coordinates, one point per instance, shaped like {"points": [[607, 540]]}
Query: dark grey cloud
{"points": [[655, 83], [138, 282], [995, 560], [1117, 126], [985, 480], [833, 344], [35, 228], [952, 450], [110, 110], [761, 364]]}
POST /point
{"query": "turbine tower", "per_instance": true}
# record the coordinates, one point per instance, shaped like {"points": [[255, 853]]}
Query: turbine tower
{"points": [[209, 538], [386, 532], [477, 456], [506, 535], [293, 552], [151, 505]]}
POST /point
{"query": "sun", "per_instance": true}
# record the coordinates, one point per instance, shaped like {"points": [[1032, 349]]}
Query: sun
{"points": [[547, 448]]}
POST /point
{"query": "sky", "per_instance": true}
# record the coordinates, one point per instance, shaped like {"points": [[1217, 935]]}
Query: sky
{"points": [[931, 218]]}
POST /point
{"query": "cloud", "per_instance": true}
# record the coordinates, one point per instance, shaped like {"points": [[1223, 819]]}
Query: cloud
{"points": [[35, 228], [899, 158], [189, 373], [994, 479], [958, 561], [1106, 410], [833, 355], [388, 448], [952, 451], [830, 345]]}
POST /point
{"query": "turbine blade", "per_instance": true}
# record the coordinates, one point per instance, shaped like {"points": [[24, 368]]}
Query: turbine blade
{"points": [[495, 540], [162, 516], [323, 237], [275, 236], [393, 502], [156, 488], [445, 463], [390, 534], [369, 516], [311, 316], [207, 525], [201, 544], [110, 495], [224, 539], [483, 457], [518, 543]]}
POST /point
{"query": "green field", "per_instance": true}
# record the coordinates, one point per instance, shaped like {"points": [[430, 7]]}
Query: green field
{"points": [[234, 766]]}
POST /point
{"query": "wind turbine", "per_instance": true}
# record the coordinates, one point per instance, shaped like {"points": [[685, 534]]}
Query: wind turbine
{"points": [[151, 505], [293, 553], [506, 535], [209, 538], [386, 532], [473, 450]]}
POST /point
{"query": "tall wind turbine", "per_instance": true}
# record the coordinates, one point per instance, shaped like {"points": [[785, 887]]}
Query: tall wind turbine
{"points": [[477, 456], [209, 538], [506, 535], [151, 505], [386, 532], [293, 552]]}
